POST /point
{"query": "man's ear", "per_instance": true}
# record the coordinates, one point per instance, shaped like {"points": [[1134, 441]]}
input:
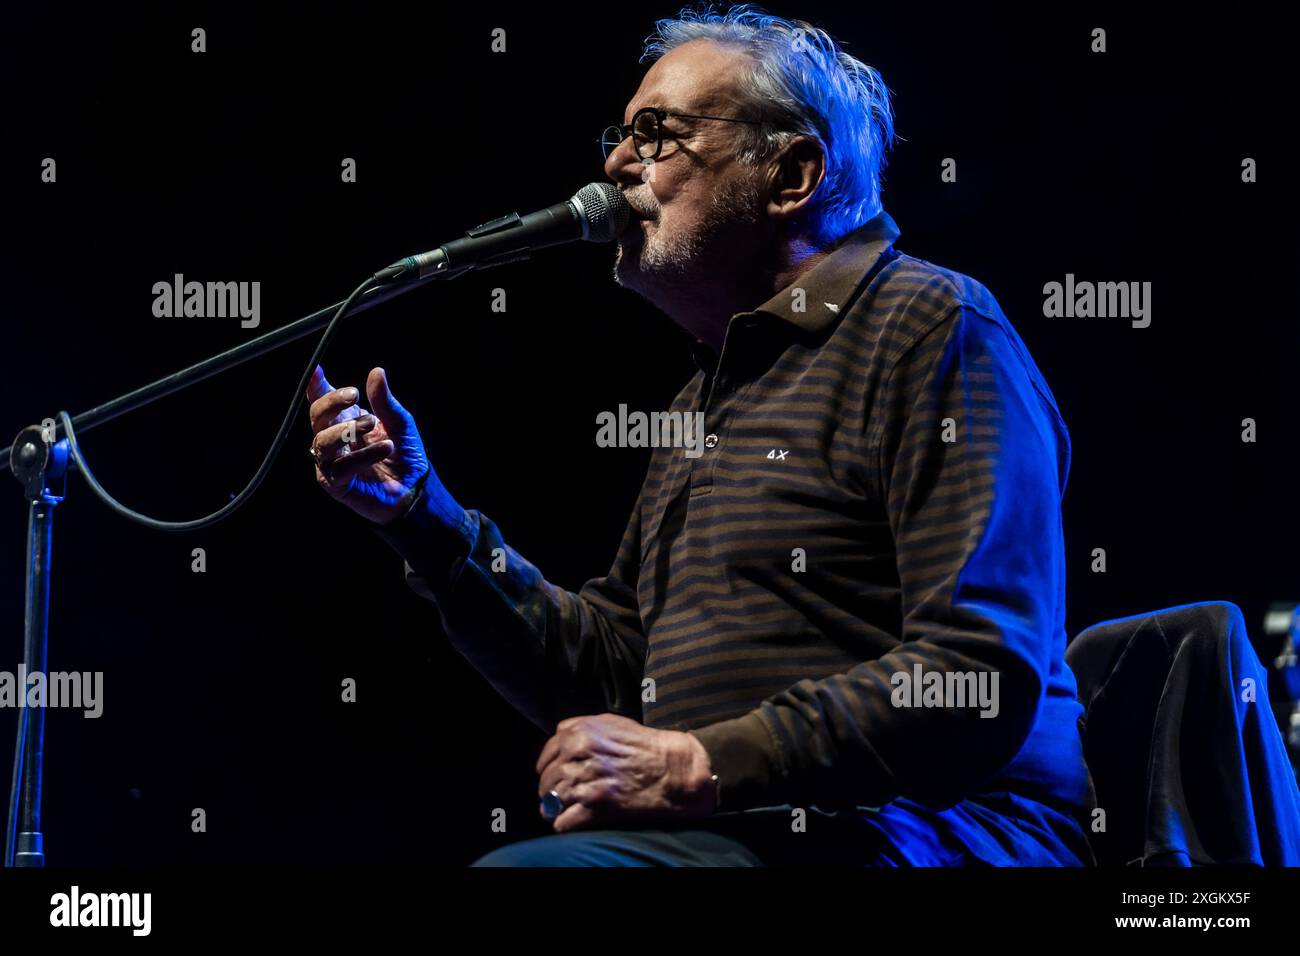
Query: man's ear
{"points": [[796, 172]]}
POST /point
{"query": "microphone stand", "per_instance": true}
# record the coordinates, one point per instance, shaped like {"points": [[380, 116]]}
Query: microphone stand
{"points": [[39, 460]]}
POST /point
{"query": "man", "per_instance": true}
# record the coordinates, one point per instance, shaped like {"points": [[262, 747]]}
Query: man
{"points": [[836, 635]]}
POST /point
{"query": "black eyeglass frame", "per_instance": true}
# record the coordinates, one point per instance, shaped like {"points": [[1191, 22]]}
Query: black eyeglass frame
{"points": [[623, 130]]}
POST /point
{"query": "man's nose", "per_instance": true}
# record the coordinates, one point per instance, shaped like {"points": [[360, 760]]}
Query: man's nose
{"points": [[623, 166]]}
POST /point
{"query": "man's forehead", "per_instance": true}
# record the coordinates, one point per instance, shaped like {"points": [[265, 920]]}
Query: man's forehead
{"points": [[696, 76]]}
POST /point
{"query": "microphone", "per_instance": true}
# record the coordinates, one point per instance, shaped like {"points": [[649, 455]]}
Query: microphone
{"points": [[597, 213]]}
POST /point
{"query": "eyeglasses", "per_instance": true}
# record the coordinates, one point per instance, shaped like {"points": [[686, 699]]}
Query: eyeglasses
{"points": [[647, 131]]}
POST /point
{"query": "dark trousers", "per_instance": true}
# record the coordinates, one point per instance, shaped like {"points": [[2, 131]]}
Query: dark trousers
{"points": [[901, 834]]}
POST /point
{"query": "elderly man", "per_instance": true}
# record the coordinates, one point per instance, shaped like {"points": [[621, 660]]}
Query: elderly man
{"points": [[836, 635]]}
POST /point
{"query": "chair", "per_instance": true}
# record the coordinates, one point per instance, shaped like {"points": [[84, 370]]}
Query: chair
{"points": [[1184, 753]]}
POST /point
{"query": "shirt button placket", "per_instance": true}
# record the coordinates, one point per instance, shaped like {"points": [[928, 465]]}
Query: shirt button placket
{"points": [[718, 409]]}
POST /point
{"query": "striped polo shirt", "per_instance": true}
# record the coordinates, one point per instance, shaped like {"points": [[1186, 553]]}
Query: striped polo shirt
{"points": [[853, 592]]}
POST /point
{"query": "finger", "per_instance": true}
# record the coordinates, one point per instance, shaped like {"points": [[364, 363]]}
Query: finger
{"points": [[330, 440], [318, 385], [550, 751], [395, 417], [563, 775], [326, 410], [342, 471], [554, 777], [576, 816]]}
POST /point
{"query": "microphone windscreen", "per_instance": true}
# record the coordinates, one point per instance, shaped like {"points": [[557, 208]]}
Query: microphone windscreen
{"points": [[605, 213]]}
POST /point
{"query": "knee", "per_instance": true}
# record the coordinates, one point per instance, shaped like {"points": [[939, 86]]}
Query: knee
{"points": [[557, 850]]}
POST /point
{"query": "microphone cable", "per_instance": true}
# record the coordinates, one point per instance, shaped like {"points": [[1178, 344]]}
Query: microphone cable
{"points": [[75, 453]]}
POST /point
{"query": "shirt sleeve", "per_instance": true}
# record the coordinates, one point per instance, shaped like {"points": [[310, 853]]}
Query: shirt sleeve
{"points": [[550, 652], [971, 456]]}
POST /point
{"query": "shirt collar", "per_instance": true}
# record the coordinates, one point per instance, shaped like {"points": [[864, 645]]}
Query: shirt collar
{"points": [[828, 286]]}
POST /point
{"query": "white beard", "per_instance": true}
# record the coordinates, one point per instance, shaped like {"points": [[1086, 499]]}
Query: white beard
{"points": [[683, 256]]}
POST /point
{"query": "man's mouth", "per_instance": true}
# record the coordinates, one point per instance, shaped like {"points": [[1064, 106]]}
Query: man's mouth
{"points": [[640, 214]]}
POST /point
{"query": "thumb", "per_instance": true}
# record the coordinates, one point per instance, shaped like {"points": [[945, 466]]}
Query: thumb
{"points": [[386, 407], [318, 385]]}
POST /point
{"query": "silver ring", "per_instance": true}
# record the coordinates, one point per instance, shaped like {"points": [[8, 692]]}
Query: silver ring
{"points": [[552, 805], [314, 452]]}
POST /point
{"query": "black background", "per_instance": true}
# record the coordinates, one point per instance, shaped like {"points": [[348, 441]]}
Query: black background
{"points": [[222, 689]]}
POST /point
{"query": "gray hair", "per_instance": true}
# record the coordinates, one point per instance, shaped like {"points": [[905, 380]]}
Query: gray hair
{"points": [[800, 82]]}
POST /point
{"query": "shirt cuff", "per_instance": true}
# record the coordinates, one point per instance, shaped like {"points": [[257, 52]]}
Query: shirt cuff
{"points": [[432, 542], [746, 759]]}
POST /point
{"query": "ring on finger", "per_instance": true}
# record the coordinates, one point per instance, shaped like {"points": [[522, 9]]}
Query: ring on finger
{"points": [[552, 804]]}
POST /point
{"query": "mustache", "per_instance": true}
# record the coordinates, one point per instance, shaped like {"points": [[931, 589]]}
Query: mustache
{"points": [[643, 203]]}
